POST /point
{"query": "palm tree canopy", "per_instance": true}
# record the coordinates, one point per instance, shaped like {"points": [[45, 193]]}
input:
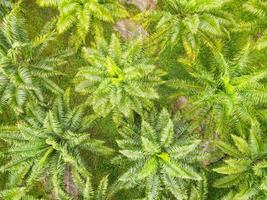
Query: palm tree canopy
{"points": [[25, 72], [159, 157], [229, 91], [119, 78], [245, 167], [189, 23], [50, 140], [85, 15]]}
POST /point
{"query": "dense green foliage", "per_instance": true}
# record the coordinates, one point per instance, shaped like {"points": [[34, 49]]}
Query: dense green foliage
{"points": [[51, 139], [246, 166], [25, 72], [227, 93], [161, 159], [189, 23], [5, 7], [86, 16], [120, 79], [176, 110]]}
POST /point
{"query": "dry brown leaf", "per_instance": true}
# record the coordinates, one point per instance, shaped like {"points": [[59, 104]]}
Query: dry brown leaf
{"points": [[129, 29], [179, 104], [69, 185]]}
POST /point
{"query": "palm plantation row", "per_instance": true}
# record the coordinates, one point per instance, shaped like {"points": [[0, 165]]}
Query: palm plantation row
{"points": [[176, 111]]}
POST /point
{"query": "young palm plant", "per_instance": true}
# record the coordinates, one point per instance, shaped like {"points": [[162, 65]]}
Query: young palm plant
{"points": [[189, 23], [47, 143], [24, 72], [160, 159], [245, 168], [225, 94], [85, 15], [119, 78]]}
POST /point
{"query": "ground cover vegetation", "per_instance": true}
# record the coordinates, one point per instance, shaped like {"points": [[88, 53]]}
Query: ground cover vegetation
{"points": [[133, 100]]}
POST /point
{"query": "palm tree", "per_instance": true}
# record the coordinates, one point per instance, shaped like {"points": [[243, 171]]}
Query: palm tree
{"points": [[85, 15], [119, 78], [245, 168], [46, 143], [25, 73], [225, 94], [190, 23], [159, 158]]}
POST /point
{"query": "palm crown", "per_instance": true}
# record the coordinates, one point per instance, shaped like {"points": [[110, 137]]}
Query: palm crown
{"points": [[159, 157], [245, 167], [227, 91], [53, 140], [189, 23], [119, 78], [24, 72], [85, 16]]}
